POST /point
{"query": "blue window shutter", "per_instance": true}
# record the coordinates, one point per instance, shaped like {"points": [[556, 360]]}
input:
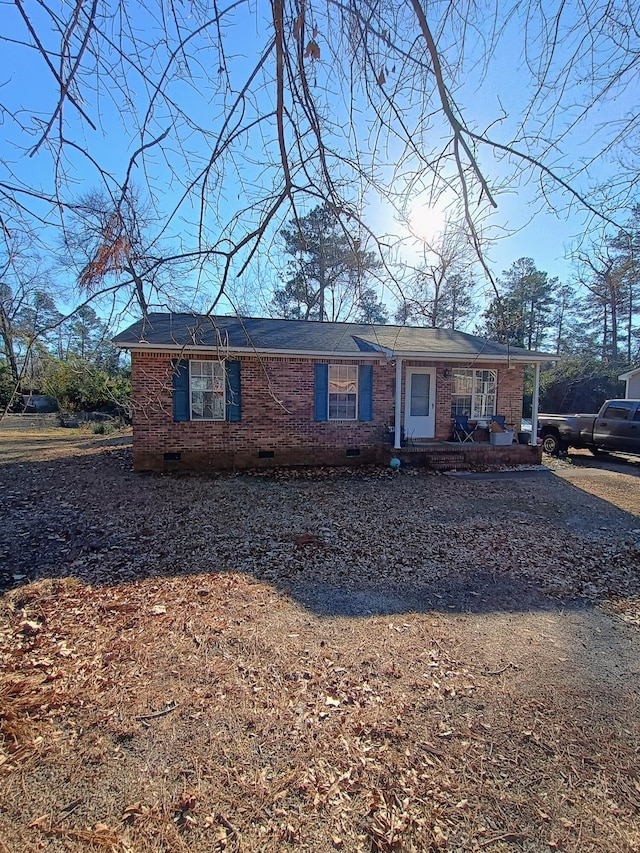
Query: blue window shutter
{"points": [[233, 390], [321, 392], [365, 392], [180, 379]]}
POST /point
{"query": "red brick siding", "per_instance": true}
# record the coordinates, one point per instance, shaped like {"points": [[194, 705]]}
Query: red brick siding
{"points": [[278, 414]]}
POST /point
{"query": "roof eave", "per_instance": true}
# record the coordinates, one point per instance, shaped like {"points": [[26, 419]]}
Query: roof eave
{"points": [[629, 374], [532, 358], [527, 358], [143, 346]]}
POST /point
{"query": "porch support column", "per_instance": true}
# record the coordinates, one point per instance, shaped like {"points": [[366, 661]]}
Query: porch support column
{"points": [[534, 405], [397, 443]]}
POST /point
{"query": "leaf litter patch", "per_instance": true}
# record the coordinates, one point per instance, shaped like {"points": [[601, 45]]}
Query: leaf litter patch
{"points": [[177, 694]]}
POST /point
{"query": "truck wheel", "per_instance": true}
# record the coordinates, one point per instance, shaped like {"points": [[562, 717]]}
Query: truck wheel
{"points": [[551, 443]]}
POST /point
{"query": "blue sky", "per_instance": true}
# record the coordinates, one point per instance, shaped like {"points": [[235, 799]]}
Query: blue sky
{"points": [[524, 225]]}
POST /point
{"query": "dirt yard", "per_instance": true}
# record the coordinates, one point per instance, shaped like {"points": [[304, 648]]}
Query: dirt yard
{"points": [[349, 661]]}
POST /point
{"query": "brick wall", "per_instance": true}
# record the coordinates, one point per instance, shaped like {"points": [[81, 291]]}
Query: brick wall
{"points": [[278, 416]]}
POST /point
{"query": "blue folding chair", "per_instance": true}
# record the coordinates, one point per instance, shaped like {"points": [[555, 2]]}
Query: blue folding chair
{"points": [[462, 432]]}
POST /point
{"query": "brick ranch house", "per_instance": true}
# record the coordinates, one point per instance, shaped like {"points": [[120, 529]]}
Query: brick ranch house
{"points": [[240, 392]]}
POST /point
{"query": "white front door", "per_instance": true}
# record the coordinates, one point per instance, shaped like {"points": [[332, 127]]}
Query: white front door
{"points": [[420, 403]]}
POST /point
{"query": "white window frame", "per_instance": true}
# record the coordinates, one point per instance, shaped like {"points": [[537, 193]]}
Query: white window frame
{"points": [[221, 367], [330, 393], [480, 395]]}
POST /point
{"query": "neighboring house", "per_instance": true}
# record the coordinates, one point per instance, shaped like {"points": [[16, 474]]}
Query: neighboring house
{"points": [[39, 404], [632, 383], [237, 392]]}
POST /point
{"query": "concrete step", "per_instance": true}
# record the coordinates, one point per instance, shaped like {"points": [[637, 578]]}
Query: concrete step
{"points": [[447, 464]]}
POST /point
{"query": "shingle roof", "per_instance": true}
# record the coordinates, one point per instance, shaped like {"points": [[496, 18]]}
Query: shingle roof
{"points": [[307, 337]]}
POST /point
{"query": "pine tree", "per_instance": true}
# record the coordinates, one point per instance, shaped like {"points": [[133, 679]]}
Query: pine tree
{"points": [[328, 271]]}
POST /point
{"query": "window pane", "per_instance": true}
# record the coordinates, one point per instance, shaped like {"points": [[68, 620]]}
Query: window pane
{"points": [[461, 405], [217, 407], [197, 404], [343, 392], [420, 392], [207, 390], [619, 410], [474, 393], [343, 377], [463, 381], [483, 405]]}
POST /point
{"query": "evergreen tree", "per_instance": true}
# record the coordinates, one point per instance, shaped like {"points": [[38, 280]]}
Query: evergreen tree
{"points": [[522, 314], [626, 247], [438, 300], [327, 275]]}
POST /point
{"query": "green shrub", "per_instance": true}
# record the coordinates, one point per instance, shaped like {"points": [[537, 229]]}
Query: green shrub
{"points": [[6, 386], [79, 385], [103, 428]]}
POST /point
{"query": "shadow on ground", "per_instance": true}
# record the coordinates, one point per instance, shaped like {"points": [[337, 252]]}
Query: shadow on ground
{"points": [[481, 593], [617, 462], [342, 544]]}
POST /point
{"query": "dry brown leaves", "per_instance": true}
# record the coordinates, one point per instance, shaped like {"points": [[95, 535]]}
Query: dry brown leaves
{"points": [[177, 694], [213, 714]]}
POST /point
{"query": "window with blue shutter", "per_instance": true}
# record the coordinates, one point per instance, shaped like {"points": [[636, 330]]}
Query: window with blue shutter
{"points": [[342, 390], [201, 393], [321, 392], [233, 390], [180, 381], [365, 392]]}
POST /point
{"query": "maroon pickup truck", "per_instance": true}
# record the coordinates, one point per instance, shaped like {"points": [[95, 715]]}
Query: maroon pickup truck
{"points": [[616, 427]]}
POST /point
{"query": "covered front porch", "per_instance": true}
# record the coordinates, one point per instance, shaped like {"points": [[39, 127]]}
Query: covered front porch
{"points": [[476, 396]]}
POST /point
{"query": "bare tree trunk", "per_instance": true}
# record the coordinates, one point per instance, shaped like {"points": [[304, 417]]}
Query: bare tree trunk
{"points": [[613, 301], [630, 324], [322, 279], [139, 289]]}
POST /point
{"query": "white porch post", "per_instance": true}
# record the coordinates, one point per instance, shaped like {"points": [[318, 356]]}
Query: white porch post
{"points": [[534, 405], [397, 443]]}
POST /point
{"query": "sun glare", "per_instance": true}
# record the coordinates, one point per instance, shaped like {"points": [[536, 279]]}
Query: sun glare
{"points": [[426, 223]]}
